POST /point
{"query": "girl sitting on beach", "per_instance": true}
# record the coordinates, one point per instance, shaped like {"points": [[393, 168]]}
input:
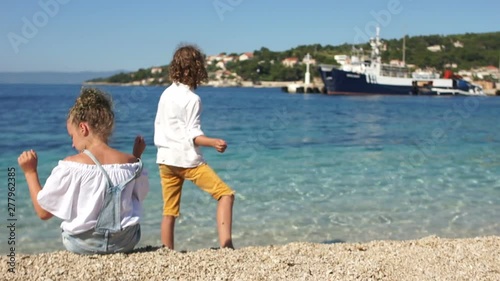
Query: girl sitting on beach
{"points": [[98, 193]]}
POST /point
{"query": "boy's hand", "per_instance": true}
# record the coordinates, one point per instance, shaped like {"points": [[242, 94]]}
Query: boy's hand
{"points": [[28, 161], [220, 145], [139, 146]]}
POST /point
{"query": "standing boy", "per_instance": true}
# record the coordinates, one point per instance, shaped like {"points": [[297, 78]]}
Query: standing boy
{"points": [[178, 137]]}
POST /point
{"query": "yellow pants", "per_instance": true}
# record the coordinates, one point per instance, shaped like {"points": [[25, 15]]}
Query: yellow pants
{"points": [[202, 176]]}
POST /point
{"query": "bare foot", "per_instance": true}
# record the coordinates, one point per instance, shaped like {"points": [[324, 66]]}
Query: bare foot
{"points": [[139, 146]]}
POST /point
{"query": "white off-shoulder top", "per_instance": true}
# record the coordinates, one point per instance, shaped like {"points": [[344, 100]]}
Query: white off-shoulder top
{"points": [[74, 192]]}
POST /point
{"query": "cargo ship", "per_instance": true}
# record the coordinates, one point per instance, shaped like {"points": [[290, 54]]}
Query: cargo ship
{"points": [[359, 76]]}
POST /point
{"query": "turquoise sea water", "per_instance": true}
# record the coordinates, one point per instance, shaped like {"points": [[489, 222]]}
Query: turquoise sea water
{"points": [[312, 168]]}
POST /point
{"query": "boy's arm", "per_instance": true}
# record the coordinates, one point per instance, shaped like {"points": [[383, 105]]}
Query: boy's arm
{"points": [[219, 144], [28, 161], [195, 132]]}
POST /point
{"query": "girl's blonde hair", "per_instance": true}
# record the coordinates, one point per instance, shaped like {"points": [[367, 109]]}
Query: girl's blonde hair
{"points": [[94, 107], [188, 66]]}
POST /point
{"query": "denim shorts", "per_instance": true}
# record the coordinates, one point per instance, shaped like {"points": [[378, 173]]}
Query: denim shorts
{"points": [[92, 242]]}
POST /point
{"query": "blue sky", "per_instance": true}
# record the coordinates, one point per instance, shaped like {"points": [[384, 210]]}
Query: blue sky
{"points": [[91, 35]]}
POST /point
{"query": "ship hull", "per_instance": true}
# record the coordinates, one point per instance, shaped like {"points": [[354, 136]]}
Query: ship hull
{"points": [[339, 82]]}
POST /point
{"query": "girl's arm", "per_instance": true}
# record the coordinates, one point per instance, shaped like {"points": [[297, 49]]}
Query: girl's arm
{"points": [[28, 161], [139, 146]]}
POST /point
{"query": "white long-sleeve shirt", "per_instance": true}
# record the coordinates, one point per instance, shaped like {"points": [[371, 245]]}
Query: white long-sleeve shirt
{"points": [[177, 123]]}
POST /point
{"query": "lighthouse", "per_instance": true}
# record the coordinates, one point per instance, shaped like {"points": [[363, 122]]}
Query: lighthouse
{"points": [[306, 87], [307, 78]]}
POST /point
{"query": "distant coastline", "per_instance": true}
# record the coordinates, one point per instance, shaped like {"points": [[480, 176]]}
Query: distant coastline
{"points": [[216, 84], [52, 77]]}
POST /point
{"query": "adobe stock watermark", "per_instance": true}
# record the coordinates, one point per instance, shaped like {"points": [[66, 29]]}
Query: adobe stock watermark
{"points": [[426, 148], [380, 18], [452, 120], [223, 6], [280, 120], [31, 25], [126, 106]]}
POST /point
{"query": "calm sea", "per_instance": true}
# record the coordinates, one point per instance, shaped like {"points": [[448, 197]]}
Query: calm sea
{"points": [[312, 168]]}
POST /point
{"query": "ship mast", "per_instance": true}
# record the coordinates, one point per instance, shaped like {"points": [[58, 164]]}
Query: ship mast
{"points": [[375, 44]]}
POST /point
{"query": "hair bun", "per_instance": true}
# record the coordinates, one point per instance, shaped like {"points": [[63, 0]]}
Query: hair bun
{"points": [[94, 98], [94, 107]]}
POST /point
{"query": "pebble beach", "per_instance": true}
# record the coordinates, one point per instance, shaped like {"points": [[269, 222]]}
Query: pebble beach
{"points": [[429, 258]]}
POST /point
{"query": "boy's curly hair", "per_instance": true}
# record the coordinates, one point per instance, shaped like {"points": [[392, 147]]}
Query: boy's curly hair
{"points": [[188, 66], [96, 108]]}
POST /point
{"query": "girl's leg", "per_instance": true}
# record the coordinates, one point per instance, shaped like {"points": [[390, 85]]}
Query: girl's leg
{"points": [[224, 220]]}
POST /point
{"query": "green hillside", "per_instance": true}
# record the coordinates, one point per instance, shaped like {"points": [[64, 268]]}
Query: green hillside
{"points": [[467, 51], [478, 50]]}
